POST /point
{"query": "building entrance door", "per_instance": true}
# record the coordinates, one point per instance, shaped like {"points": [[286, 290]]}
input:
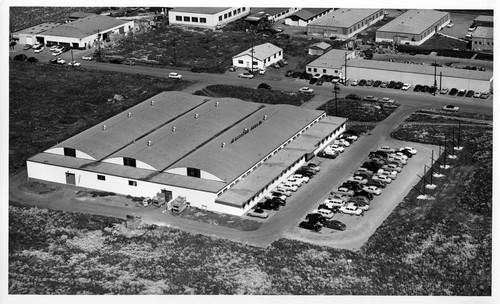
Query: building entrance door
{"points": [[168, 195], [70, 178]]}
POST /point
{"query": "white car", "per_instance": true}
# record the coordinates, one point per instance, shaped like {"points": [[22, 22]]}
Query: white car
{"points": [[87, 57], [397, 159], [469, 35], [409, 149], [406, 86], [334, 202], [346, 191], [342, 142], [387, 149], [477, 95], [472, 29], [282, 191], [325, 213], [352, 137], [337, 148], [258, 213], [262, 71], [56, 48], [306, 90], [387, 100], [444, 91], [176, 75], [372, 189], [57, 53], [449, 25], [271, 196], [392, 167], [451, 108], [245, 75], [354, 82], [358, 179], [364, 207], [61, 61], [383, 178], [398, 155], [392, 174], [288, 186], [300, 176], [351, 209], [39, 49], [74, 63], [295, 181], [365, 170]]}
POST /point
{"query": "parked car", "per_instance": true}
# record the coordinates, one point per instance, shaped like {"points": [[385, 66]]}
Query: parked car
{"points": [[398, 85], [365, 196], [328, 153], [386, 100], [337, 148], [377, 83], [461, 92], [406, 87], [247, 75], [328, 214], [383, 178], [74, 63], [453, 91], [485, 95], [268, 205], [57, 53], [128, 62], [369, 83], [313, 80], [20, 57], [342, 142], [334, 224], [362, 83], [288, 186], [307, 169], [363, 174], [334, 202], [305, 172], [315, 218], [358, 179], [444, 91], [306, 90], [391, 84], [387, 149], [282, 191], [469, 93], [264, 86], [296, 181], [353, 97], [425, 88], [262, 71], [477, 95], [392, 167], [275, 200], [433, 90], [451, 108], [413, 151], [362, 206], [27, 47], [176, 75], [449, 25], [391, 173], [384, 84], [320, 82], [372, 189], [354, 82], [87, 57], [310, 226], [351, 209], [344, 190], [417, 88], [376, 183], [314, 166], [38, 49], [258, 213], [370, 98]]}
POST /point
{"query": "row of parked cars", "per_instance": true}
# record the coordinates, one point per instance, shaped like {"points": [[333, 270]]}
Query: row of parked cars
{"points": [[383, 84], [278, 196], [323, 215], [452, 92]]}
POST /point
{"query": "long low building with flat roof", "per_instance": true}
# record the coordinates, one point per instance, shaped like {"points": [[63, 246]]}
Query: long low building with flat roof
{"points": [[413, 27], [344, 23], [331, 63], [209, 17], [222, 154]]}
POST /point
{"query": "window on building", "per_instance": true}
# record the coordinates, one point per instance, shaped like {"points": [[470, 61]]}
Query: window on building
{"points": [[225, 15], [308, 69], [229, 14], [220, 18], [255, 63], [101, 177], [324, 70], [130, 162], [193, 172], [187, 19], [274, 55], [234, 12], [240, 61], [69, 152], [315, 70], [279, 53], [194, 19], [178, 18], [203, 20], [132, 183], [243, 9], [239, 10]]}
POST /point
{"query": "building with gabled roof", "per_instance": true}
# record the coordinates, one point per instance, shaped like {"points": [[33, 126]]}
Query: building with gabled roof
{"points": [[263, 55], [413, 27], [272, 14], [344, 23], [331, 63], [319, 48], [306, 15], [202, 148], [28, 35], [209, 17], [482, 39]]}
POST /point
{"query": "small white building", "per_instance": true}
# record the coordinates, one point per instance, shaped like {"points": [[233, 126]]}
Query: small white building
{"points": [[262, 55], [332, 63], [209, 17], [319, 48]]}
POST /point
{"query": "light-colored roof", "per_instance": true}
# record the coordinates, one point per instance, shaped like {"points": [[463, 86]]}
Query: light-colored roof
{"points": [[37, 29], [196, 142], [332, 59], [308, 13], [80, 15], [343, 17], [271, 11], [261, 51], [483, 32], [484, 18], [419, 69], [85, 27], [303, 144], [320, 45], [413, 21], [200, 10]]}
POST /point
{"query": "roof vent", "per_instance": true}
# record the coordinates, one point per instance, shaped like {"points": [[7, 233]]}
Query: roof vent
{"points": [[196, 116], [173, 129], [265, 117], [150, 143], [223, 145], [152, 102], [129, 114], [216, 103], [103, 127]]}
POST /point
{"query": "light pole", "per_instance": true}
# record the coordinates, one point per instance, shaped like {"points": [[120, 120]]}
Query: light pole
{"points": [[336, 90]]}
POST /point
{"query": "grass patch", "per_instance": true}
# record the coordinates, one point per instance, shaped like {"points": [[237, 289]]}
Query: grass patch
{"points": [[44, 110], [357, 110], [220, 219], [255, 95]]}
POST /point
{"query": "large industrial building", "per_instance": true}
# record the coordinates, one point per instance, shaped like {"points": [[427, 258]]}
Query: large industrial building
{"points": [[344, 23], [209, 17], [413, 27], [446, 77], [482, 39], [81, 33], [222, 154]]}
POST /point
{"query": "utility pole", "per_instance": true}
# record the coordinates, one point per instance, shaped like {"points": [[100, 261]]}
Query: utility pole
{"points": [[72, 57], [251, 64], [435, 81], [345, 68], [440, 80], [335, 91]]}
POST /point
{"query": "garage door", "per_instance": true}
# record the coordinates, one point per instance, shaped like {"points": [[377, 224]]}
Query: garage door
{"points": [[29, 40]]}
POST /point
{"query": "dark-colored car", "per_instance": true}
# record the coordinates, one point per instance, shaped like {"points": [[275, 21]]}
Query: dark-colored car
{"points": [[334, 224], [461, 93], [372, 166], [377, 83], [453, 91], [32, 59], [406, 152], [288, 73], [264, 86], [369, 83], [469, 93], [353, 97], [331, 155], [307, 169], [333, 209], [376, 183], [433, 90], [364, 193], [391, 84], [320, 81], [417, 88], [378, 154], [398, 85], [364, 174], [304, 172], [425, 88], [351, 186], [310, 226], [268, 205], [315, 217], [313, 80], [276, 200], [362, 82], [20, 57]]}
